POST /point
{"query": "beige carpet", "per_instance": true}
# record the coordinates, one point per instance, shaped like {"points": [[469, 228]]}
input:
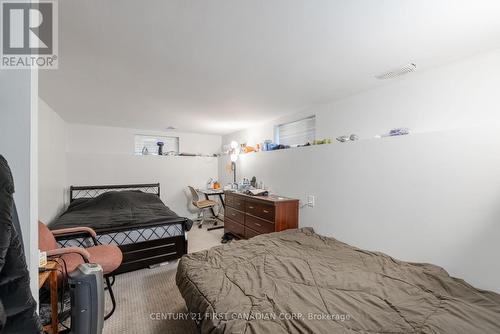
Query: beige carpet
{"points": [[141, 293]]}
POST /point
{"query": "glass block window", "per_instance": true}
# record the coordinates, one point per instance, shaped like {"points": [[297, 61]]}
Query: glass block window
{"points": [[149, 144]]}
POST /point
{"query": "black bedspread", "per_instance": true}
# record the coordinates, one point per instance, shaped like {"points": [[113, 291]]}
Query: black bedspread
{"points": [[117, 210]]}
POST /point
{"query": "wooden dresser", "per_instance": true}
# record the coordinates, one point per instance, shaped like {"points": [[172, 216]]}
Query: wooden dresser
{"points": [[246, 216]]}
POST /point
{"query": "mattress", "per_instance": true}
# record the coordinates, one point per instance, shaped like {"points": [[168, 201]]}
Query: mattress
{"points": [[128, 236], [297, 281], [118, 210]]}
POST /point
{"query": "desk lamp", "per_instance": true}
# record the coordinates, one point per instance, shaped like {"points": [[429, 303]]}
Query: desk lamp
{"points": [[234, 153]]}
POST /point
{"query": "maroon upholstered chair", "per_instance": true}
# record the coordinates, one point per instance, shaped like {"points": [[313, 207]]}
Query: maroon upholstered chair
{"points": [[108, 256]]}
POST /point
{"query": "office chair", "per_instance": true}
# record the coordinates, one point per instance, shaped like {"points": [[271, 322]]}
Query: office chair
{"points": [[108, 256], [202, 206]]}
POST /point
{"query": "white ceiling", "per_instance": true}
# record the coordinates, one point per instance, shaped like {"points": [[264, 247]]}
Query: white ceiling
{"points": [[221, 65]]}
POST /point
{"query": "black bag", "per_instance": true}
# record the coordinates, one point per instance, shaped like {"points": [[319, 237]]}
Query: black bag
{"points": [[17, 306]]}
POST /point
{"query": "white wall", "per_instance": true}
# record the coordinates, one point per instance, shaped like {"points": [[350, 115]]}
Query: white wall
{"points": [[173, 173], [104, 155], [52, 141], [103, 139], [76, 154], [459, 95], [433, 196], [18, 133]]}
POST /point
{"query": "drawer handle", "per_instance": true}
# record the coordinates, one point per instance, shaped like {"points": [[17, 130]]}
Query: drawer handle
{"points": [[257, 224], [250, 207], [233, 214], [265, 211]]}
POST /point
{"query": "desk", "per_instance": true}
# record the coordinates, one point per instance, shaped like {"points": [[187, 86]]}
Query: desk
{"points": [[214, 192], [51, 275]]}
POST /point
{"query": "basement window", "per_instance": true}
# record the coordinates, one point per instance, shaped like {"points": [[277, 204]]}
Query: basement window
{"points": [[296, 133], [148, 145]]}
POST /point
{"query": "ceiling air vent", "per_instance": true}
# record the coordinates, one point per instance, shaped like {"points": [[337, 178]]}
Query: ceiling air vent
{"points": [[397, 72]]}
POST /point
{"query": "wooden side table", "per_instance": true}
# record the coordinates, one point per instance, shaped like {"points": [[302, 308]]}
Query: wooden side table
{"points": [[51, 276]]}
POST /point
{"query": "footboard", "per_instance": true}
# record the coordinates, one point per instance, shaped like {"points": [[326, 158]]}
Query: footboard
{"points": [[143, 254]]}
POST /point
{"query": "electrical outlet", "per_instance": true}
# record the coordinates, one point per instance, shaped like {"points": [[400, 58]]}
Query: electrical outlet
{"points": [[310, 201]]}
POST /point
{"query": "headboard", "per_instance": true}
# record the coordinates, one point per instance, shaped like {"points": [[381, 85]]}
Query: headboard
{"points": [[94, 191]]}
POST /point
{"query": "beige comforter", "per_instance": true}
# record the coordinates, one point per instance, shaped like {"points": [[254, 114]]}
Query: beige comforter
{"points": [[300, 282]]}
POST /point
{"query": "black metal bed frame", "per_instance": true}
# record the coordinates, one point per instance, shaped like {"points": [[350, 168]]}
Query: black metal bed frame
{"points": [[141, 254], [76, 192]]}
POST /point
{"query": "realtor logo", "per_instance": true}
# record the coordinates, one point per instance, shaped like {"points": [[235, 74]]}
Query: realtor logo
{"points": [[29, 35]]}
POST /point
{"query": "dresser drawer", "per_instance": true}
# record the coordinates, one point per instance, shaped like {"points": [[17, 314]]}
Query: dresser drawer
{"points": [[249, 233], [238, 203], [235, 215], [229, 200], [259, 225], [261, 210], [234, 227], [251, 208]]}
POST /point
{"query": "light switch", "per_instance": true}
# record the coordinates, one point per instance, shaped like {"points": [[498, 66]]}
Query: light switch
{"points": [[310, 201]]}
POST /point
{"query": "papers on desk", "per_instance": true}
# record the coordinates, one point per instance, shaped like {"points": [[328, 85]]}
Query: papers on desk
{"points": [[211, 191], [257, 192]]}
